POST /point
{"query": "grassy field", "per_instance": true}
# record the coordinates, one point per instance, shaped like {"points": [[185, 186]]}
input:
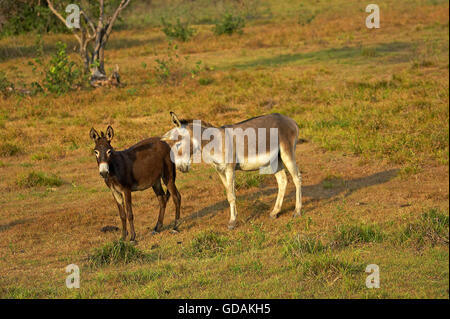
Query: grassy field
{"points": [[373, 105]]}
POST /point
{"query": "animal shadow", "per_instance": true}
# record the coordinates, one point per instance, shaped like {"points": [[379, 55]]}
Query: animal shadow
{"points": [[313, 192]]}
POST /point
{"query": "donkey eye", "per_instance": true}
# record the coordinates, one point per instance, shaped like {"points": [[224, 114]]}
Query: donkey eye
{"points": [[97, 153], [108, 152]]}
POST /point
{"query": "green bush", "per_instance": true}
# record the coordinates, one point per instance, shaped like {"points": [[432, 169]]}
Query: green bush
{"points": [[60, 73], [172, 67], [179, 31], [229, 24], [5, 85], [24, 18]]}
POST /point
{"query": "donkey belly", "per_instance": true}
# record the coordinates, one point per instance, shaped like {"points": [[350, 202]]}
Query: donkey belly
{"points": [[136, 188], [258, 161]]}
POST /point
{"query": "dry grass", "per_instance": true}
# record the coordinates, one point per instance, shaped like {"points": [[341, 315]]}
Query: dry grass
{"points": [[373, 103]]}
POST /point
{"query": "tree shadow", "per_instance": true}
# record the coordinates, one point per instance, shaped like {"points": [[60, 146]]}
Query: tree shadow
{"points": [[7, 226], [342, 53], [313, 192], [8, 52]]}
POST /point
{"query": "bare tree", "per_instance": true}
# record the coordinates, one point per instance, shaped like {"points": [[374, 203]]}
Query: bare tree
{"points": [[93, 38]]}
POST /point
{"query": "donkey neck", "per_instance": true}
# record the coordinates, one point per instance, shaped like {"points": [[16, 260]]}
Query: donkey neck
{"points": [[114, 163]]}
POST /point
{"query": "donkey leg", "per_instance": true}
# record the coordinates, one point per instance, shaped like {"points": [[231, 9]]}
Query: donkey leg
{"points": [[176, 197], [123, 217], [157, 188], [231, 196], [228, 179], [288, 158], [282, 182], [129, 211]]}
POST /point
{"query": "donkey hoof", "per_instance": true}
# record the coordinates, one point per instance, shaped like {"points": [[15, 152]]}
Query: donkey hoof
{"points": [[133, 242], [174, 231], [155, 232], [297, 214], [232, 225], [274, 216]]}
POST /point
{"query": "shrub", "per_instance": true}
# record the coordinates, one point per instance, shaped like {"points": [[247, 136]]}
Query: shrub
{"points": [[22, 17], [172, 67], [179, 31], [229, 24], [115, 253], [33, 179], [6, 87], [60, 74]]}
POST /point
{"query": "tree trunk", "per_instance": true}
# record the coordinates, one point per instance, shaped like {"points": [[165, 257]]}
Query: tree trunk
{"points": [[95, 63]]}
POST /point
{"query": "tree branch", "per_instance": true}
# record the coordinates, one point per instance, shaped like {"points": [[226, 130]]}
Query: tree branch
{"points": [[60, 17], [123, 4], [89, 22], [101, 15]]}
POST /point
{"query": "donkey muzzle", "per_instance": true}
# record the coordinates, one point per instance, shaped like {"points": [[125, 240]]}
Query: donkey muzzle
{"points": [[183, 168], [103, 169]]}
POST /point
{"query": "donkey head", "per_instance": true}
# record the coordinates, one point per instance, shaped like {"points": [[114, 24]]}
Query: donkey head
{"points": [[181, 143], [103, 149]]}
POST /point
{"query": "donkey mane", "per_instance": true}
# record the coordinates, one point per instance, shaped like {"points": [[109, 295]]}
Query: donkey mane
{"points": [[191, 121]]}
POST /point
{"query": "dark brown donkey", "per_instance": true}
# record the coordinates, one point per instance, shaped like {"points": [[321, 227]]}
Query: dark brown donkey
{"points": [[141, 166]]}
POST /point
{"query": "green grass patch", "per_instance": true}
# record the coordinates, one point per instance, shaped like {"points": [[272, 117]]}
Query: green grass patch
{"points": [[229, 24], [347, 235], [249, 179], [139, 277], [431, 228], [9, 149], [208, 244], [205, 81], [33, 179], [117, 252], [325, 265], [332, 181], [27, 293], [297, 247]]}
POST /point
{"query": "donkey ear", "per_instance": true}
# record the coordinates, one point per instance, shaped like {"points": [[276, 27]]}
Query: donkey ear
{"points": [[175, 119], [93, 134], [109, 133]]}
